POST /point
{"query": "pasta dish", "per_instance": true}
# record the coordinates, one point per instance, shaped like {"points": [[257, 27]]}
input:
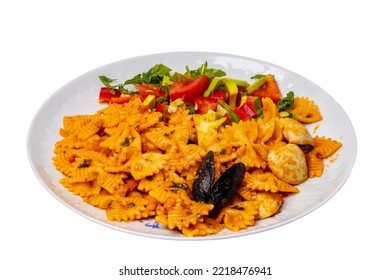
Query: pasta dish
{"points": [[198, 151]]}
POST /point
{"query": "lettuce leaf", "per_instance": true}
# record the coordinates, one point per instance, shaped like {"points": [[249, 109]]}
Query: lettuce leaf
{"points": [[153, 76]]}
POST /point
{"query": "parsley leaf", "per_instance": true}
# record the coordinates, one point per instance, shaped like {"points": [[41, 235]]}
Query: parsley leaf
{"points": [[287, 102], [204, 70], [108, 83], [258, 76], [177, 77], [153, 76]]}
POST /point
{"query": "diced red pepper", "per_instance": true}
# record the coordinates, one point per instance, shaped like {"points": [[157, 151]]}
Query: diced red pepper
{"points": [[252, 106], [219, 94], [162, 107], [187, 91], [204, 104], [249, 110], [251, 100], [241, 113], [106, 94]]}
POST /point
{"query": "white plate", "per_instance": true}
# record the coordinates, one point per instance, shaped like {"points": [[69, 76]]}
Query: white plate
{"points": [[80, 96]]}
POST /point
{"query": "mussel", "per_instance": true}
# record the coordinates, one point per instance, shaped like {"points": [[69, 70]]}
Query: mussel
{"points": [[218, 193], [201, 187]]}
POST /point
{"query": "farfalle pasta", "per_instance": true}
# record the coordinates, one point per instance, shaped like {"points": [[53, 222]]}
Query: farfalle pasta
{"points": [[137, 162]]}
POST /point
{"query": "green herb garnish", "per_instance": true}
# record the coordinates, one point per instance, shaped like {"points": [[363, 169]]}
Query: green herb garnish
{"points": [[211, 73], [287, 102], [153, 76]]}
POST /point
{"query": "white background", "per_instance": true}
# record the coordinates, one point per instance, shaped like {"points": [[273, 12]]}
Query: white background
{"points": [[340, 45]]}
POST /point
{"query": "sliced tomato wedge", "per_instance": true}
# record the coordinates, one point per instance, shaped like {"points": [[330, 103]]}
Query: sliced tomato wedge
{"points": [[187, 91], [144, 90], [269, 89], [204, 104]]}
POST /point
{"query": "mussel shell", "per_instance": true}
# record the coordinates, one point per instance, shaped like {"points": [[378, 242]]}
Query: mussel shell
{"points": [[201, 187], [225, 187]]}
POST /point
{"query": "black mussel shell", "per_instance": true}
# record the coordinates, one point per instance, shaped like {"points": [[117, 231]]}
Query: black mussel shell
{"points": [[220, 192], [225, 187], [201, 188]]}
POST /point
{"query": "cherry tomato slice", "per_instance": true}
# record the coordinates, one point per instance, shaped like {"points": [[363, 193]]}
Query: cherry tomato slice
{"points": [[188, 91]]}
